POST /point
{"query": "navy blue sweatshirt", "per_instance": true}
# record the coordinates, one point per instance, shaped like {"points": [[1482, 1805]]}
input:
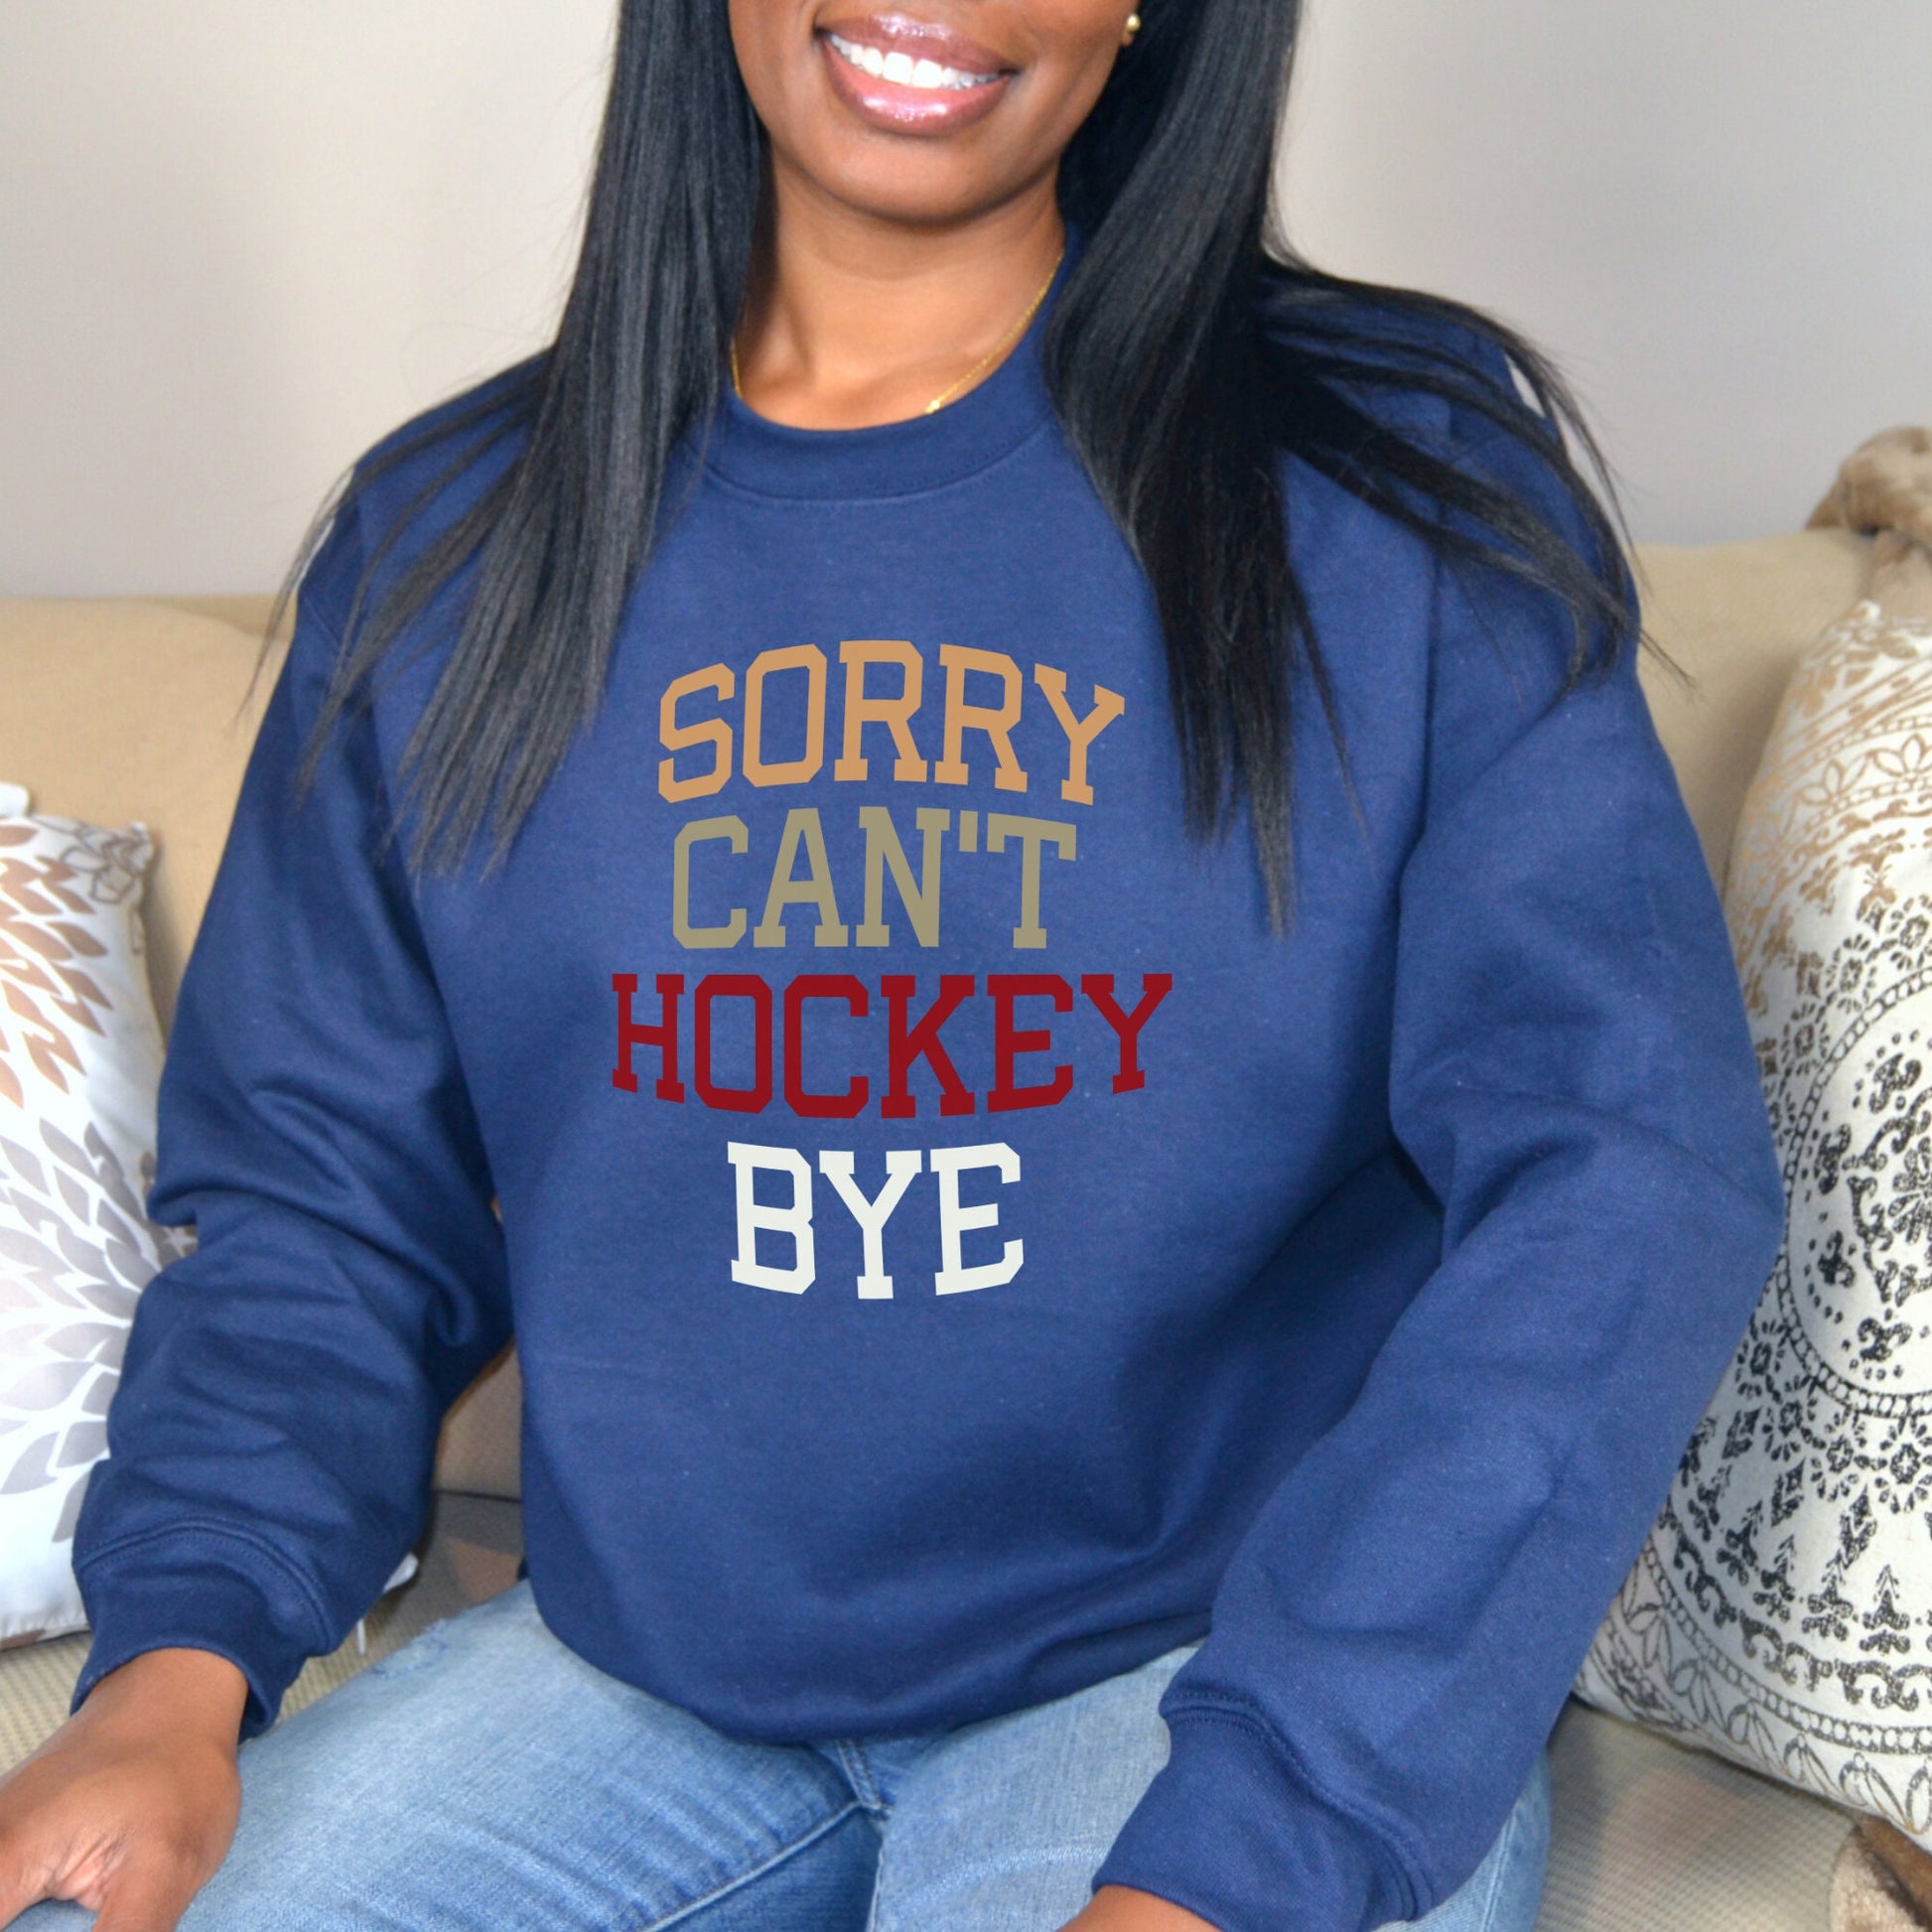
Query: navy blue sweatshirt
{"points": [[956, 1252]]}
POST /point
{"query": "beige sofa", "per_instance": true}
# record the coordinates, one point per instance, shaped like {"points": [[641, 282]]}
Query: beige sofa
{"points": [[123, 709]]}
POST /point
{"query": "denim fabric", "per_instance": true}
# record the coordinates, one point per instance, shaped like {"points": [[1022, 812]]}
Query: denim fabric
{"points": [[487, 1777]]}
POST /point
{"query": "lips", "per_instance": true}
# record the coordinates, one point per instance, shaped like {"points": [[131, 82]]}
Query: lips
{"points": [[911, 77]]}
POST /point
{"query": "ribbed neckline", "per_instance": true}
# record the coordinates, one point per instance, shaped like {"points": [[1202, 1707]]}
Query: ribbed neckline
{"points": [[893, 458]]}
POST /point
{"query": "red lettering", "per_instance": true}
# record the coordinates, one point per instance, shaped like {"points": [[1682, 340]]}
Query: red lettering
{"points": [[1099, 988], [1010, 1042], [906, 1045], [820, 986], [663, 1036], [908, 1040], [732, 986]]}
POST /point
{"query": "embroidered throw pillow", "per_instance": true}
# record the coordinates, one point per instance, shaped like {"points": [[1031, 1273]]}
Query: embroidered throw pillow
{"points": [[1781, 1611], [79, 1062]]}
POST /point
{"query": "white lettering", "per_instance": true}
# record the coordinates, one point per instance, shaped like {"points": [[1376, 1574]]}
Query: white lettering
{"points": [[794, 1222], [949, 1163], [875, 1285]]}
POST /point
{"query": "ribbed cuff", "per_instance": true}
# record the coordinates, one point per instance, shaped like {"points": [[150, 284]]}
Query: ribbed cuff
{"points": [[200, 1591], [1229, 1832]]}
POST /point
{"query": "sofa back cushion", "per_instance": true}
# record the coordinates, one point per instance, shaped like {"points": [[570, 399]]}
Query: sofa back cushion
{"points": [[1738, 616], [119, 709], [129, 707]]}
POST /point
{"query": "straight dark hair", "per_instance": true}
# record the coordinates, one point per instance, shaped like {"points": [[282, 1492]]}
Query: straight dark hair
{"points": [[1190, 350]]}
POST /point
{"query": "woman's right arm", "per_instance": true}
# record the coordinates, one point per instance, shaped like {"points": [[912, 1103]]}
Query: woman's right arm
{"points": [[271, 1443], [129, 1807]]}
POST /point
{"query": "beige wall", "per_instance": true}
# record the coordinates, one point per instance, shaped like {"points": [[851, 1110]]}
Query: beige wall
{"points": [[1716, 213], [240, 238]]}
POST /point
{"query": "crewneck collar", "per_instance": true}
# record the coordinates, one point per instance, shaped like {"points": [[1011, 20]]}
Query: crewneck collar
{"points": [[901, 458]]}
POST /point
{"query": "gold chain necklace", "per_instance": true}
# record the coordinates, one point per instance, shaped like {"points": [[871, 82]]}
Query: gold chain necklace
{"points": [[992, 356]]}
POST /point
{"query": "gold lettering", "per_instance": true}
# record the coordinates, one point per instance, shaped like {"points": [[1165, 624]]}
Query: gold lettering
{"points": [[1028, 935], [789, 772], [997, 722], [702, 937], [677, 738], [895, 713], [802, 827], [884, 850], [1080, 732]]}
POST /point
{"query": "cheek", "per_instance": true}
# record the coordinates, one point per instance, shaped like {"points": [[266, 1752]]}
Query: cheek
{"points": [[765, 37], [1076, 87], [1082, 33], [1078, 41]]}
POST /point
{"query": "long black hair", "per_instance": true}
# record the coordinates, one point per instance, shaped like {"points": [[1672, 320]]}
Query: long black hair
{"points": [[1190, 349]]}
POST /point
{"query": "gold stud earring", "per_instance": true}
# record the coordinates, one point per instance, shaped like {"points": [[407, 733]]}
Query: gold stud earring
{"points": [[1133, 27]]}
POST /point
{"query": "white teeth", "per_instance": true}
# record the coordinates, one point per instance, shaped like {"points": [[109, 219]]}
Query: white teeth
{"points": [[902, 70]]}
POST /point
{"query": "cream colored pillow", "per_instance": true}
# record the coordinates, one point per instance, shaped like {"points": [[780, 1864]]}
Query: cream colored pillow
{"points": [[1781, 1610], [79, 1061]]}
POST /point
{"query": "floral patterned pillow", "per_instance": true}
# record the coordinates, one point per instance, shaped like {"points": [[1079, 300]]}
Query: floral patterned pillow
{"points": [[79, 1061], [1781, 1611]]}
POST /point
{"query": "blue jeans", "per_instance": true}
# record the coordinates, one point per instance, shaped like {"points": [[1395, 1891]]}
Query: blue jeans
{"points": [[486, 1778]]}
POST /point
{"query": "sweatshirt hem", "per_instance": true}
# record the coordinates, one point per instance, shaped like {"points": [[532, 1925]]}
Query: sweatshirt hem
{"points": [[1232, 1828], [189, 1603], [1407, 1856]]}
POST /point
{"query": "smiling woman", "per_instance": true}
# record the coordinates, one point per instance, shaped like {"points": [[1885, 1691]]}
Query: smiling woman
{"points": [[1102, 1368], [871, 115]]}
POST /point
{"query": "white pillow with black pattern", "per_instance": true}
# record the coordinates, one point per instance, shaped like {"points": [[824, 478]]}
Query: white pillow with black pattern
{"points": [[1781, 1611]]}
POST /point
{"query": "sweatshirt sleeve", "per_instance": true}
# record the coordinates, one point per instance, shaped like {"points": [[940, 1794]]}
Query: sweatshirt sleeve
{"points": [[1572, 1076], [271, 1442]]}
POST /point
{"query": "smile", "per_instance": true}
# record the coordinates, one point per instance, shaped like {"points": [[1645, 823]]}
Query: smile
{"points": [[902, 70]]}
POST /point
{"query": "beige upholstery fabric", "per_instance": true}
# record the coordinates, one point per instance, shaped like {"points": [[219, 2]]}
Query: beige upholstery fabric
{"points": [[1649, 1837], [480, 1435], [1884, 487], [122, 709], [1738, 616], [1868, 1895]]}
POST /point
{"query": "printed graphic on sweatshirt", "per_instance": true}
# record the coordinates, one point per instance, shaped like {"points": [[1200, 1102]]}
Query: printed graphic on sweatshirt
{"points": [[896, 704]]}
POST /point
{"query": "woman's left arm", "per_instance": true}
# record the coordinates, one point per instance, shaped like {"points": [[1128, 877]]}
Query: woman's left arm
{"points": [[1117, 1908], [1572, 1076]]}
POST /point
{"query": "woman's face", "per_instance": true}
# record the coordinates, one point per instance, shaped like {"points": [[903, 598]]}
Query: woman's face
{"points": [[928, 111]]}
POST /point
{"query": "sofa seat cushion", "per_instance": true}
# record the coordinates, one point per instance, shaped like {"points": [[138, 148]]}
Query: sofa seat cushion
{"points": [[1650, 1836]]}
